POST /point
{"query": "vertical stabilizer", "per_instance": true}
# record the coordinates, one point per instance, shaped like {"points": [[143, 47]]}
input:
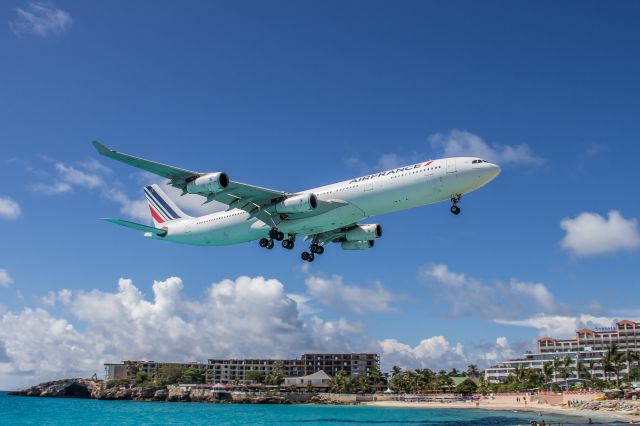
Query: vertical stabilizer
{"points": [[162, 208]]}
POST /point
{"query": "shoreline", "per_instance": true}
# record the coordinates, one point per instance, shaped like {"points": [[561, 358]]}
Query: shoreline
{"points": [[510, 407]]}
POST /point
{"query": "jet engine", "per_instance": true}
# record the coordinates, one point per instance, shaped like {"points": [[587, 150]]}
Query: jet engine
{"points": [[211, 182], [364, 232], [297, 204], [357, 245]]}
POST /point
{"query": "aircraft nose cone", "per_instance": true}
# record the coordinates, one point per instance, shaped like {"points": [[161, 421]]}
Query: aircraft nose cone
{"points": [[493, 171]]}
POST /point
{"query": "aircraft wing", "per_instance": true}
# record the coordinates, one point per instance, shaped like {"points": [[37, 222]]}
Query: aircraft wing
{"points": [[257, 201]]}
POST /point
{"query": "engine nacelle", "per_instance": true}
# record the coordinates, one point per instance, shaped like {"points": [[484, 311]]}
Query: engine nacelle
{"points": [[298, 204], [357, 245], [364, 232], [211, 182]]}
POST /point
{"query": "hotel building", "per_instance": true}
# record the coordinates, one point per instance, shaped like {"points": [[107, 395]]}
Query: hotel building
{"points": [[587, 346], [234, 370]]}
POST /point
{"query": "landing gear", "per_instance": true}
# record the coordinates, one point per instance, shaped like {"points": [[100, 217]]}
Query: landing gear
{"points": [[308, 257], [455, 200], [317, 249], [274, 234], [266, 243], [288, 243]]}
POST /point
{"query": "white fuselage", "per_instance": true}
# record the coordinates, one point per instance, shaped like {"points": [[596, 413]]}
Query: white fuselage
{"points": [[385, 192]]}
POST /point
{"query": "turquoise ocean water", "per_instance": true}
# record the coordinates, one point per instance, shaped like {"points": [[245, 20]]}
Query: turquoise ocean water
{"points": [[52, 411]]}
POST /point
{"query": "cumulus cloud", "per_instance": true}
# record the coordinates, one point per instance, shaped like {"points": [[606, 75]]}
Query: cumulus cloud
{"points": [[9, 209], [562, 326], [434, 352], [5, 278], [40, 19], [460, 143], [332, 291], [248, 316], [590, 234], [469, 296]]}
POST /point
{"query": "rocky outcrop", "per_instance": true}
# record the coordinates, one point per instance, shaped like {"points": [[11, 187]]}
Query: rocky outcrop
{"points": [[623, 406], [98, 389], [67, 388]]}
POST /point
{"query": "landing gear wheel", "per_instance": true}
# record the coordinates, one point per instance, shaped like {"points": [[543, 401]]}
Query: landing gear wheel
{"points": [[319, 250], [270, 245], [315, 248], [273, 234], [263, 242], [455, 210], [280, 236], [288, 244], [305, 255], [311, 257]]}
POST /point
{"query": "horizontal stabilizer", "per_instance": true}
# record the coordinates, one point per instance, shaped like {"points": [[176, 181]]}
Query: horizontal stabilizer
{"points": [[137, 226]]}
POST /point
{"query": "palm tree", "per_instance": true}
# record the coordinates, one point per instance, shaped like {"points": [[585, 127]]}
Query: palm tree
{"points": [[630, 356], [613, 361], [472, 371], [566, 369], [375, 376], [592, 365], [556, 367], [395, 370], [547, 371]]}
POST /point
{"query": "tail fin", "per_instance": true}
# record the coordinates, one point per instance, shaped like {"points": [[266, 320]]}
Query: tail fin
{"points": [[162, 208]]}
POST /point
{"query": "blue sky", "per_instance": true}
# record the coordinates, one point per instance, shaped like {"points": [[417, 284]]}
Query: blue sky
{"points": [[291, 95]]}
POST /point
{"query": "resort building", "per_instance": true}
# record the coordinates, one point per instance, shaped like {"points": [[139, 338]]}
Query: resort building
{"points": [[317, 380], [127, 370], [233, 371], [587, 347]]}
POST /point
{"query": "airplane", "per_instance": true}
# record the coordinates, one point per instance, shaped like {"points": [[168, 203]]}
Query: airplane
{"points": [[328, 214]]}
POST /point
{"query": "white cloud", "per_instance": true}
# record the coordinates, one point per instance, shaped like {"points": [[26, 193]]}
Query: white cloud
{"points": [[590, 234], [248, 316], [434, 352], [40, 19], [5, 278], [468, 296], [460, 143], [561, 326], [9, 209], [537, 291], [332, 291], [62, 296]]}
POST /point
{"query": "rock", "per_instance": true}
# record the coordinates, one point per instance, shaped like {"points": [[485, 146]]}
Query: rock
{"points": [[160, 395]]}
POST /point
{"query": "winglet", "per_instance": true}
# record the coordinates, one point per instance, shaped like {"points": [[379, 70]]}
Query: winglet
{"points": [[101, 148]]}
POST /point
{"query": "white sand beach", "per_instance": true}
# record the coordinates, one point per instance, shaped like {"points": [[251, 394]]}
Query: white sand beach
{"points": [[510, 403]]}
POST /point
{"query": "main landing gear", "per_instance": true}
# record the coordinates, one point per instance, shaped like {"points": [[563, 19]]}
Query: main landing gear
{"points": [[276, 235], [309, 256], [454, 201]]}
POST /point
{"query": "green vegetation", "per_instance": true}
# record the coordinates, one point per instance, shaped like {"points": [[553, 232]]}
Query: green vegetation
{"points": [[560, 370], [255, 376]]}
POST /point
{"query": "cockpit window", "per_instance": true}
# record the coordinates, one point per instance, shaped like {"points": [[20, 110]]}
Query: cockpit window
{"points": [[479, 161]]}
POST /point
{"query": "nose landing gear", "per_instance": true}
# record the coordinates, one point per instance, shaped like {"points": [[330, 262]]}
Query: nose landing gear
{"points": [[454, 201]]}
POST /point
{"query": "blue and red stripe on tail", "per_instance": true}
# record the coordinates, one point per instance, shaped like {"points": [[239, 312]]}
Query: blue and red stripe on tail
{"points": [[162, 208]]}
